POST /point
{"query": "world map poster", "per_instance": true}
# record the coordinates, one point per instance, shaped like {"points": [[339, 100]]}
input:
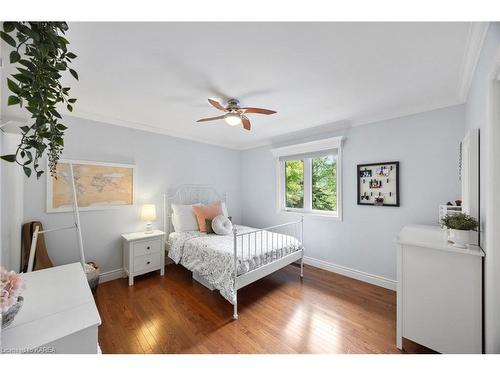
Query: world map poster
{"points": [[98, 186]]}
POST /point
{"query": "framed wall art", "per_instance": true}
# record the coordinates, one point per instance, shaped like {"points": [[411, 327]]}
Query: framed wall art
{"points": [[378, 184], [98, 186]]}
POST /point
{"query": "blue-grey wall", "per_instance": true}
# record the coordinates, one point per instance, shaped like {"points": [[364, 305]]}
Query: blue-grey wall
{"points": [[476, 110], [476, 117], [162, 163], [426, 144]]}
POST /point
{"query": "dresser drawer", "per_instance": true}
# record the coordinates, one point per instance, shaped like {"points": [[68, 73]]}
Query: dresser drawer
{"points": [[145, 262], [147, 247]]}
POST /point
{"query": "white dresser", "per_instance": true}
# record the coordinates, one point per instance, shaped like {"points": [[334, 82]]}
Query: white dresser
{"points": [[59, 314], [142, 253], [439, 293]]}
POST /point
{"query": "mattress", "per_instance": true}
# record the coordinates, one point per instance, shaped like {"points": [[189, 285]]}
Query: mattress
{"points": [[212, 255]]}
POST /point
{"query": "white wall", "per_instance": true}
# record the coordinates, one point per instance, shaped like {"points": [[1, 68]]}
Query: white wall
{"points": [[12, 200], [476, 113], [477, 117], [162, 162], [427, 146], [3, 257]]}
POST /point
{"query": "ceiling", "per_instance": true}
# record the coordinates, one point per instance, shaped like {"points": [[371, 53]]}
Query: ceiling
{"points": [[158, 76]]}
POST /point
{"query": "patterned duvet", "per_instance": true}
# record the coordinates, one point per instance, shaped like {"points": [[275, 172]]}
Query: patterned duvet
{"points": [[212, 256]]}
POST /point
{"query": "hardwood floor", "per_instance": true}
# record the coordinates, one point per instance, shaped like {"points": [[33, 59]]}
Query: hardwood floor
{"points": [[325, 313]]}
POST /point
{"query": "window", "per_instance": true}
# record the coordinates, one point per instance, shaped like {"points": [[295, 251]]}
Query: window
{"points": [[294, 183], [324, 183], [309, 178]]}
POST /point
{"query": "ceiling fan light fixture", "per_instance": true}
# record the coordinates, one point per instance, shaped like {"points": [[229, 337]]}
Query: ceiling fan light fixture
{"points": [[235, 115], [232, 119]]}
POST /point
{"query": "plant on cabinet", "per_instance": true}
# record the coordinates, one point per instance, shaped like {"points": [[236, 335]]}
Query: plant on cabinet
{"points": [[460, 226]]}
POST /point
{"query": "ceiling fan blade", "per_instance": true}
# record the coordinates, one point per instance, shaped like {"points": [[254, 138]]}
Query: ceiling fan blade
{"points": [[216, 104], [211, 118], [257, 110], [246, 122]]}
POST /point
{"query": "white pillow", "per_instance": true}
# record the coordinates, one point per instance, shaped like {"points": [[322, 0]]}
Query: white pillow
{"points": [[183, 217], [222, 225]]}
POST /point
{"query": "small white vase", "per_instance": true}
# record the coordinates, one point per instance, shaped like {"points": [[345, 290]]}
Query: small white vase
{"points": [[460, 238]]}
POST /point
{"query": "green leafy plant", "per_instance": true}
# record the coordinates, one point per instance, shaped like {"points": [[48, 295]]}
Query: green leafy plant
{"points": [[294, 175], [41, 54], [324, 183], [459, 221]]}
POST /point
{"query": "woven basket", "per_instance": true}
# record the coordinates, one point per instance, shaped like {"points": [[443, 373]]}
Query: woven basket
{"points": [[92, 274], [10, 314]]}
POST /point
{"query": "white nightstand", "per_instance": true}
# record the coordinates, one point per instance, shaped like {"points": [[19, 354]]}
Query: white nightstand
{"points": [[142, 253]]}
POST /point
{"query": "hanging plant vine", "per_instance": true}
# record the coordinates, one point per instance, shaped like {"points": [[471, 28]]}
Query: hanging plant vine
{"points": [[41, 54]]}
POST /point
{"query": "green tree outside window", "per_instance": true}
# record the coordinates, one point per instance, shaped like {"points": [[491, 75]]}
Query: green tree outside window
{"points": [[324, 183], [294, 176]]}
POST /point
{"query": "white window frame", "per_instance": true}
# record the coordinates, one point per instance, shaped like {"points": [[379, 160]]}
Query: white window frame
{"points": [[302, 149]]}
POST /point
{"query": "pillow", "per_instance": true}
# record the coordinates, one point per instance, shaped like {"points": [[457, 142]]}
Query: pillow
{"points": [[183, 218], [222, 225], [208, 225], [203, 212]]}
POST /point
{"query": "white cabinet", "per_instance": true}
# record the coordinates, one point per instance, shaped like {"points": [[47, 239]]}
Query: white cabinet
{"points": [[142, 253], [439, 293], [59, 314]]}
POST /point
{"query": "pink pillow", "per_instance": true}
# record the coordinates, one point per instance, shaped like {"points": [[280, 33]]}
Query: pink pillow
{"points": [[208, 211]]}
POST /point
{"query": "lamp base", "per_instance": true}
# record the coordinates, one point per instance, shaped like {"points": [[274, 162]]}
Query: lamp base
{"points": [[149, 228]]}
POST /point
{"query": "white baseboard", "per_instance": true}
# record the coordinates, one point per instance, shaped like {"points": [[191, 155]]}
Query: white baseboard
{"points": [[352, 273], [111, 275], [327, 266]]}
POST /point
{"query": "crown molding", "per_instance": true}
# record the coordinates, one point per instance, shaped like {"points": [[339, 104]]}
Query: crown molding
{"points": [[473, 47], [407, 112], [387, 116], [12, 126], [144, 127]]}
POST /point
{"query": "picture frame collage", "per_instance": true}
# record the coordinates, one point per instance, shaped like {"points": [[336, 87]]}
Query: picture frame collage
{"points": [[378, 184]]}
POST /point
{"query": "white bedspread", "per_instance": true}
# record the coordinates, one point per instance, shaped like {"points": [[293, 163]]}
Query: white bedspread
{"points": [[212, 256]]}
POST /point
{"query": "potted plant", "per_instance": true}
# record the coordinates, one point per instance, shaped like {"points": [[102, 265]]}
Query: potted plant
{"points": [[460, 226], [40, 53], [11, 287]]}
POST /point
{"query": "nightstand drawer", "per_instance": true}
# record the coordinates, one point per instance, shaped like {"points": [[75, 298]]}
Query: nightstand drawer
{"points": [[147, 247], [147, 262]]}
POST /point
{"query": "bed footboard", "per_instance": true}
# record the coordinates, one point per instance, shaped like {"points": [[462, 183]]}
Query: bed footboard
{"points": [[266, 251]]}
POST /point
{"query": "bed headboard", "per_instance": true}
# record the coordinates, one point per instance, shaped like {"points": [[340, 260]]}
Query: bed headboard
{"points": [[188, 194]]}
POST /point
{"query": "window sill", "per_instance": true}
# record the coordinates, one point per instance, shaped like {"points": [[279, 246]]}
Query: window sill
{"points": [[327, 216]]}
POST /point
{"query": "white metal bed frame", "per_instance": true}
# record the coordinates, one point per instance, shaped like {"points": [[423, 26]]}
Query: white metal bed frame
{"points": [[191, 194]]}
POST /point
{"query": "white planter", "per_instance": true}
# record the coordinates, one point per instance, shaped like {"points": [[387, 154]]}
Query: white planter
{"points": [[460, 238]]}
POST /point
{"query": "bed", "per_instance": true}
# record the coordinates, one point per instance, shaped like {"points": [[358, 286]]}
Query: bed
{"points": [[254, 253]]}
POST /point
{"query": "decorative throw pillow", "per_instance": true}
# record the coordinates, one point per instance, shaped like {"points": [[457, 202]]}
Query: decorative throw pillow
{"points": [[208, 225], [203, 212], [222, 225], [183, 218]]}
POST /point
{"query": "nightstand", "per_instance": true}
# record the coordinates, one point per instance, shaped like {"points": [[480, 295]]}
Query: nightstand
{"points": [[143, 253]]}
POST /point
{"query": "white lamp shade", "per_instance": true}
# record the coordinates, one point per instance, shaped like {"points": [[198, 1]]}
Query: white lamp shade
{"points": [[232, 119], [148, 212]]}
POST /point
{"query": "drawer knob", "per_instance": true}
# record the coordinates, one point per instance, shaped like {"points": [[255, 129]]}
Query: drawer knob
{"points": [[149, 247], [148, 262]]}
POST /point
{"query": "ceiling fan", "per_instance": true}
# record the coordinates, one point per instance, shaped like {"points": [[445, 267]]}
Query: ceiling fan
{"points": [[235, 115]]}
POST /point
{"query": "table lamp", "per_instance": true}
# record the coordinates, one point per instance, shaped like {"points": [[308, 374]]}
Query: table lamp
{"points": [[148, 214]]}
